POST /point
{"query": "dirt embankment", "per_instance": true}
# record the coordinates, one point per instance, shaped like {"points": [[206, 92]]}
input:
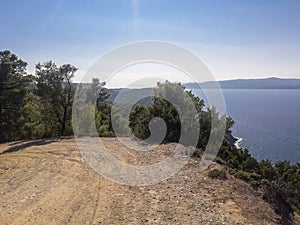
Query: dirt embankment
{"points": [[48, 182]]}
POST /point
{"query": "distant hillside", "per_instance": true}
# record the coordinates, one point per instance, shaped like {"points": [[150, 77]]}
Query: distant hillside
{"points": [[268, 83], [128, 95], [131, 95]]}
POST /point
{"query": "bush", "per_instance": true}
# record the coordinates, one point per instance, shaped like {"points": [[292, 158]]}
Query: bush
{"points": [[217, 174], [139, 120], [219, 161], [252, 178], [197, 153]]}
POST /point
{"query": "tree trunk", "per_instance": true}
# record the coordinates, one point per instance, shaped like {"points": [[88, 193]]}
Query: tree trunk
{"points": [[63, 124]]}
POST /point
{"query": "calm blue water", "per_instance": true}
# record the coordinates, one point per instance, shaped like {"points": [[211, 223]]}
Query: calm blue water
{"points": [[267, 120]]}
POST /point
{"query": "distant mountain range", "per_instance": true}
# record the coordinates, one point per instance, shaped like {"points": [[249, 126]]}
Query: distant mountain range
{"points": [[267, 83], [129, 95]]}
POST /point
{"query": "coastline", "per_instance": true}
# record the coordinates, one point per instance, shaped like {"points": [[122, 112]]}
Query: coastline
{"points": [[237, 142], [233, 141]]}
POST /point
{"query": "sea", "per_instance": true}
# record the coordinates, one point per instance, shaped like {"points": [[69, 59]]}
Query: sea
{"points": [[267, 121]]}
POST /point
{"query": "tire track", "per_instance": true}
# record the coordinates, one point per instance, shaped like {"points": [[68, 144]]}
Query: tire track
{"points": [[97, 201]]}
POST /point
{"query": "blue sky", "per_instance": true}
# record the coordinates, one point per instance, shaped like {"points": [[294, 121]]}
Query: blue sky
{"points": [[235, 38]]}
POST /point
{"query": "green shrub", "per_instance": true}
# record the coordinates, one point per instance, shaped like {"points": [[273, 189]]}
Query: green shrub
{"points": [[219, 161], [217, 174], [253, 178], [197, 153]]}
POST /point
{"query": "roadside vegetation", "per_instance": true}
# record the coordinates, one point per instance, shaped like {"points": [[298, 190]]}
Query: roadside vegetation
{"points": [[279, 182]]}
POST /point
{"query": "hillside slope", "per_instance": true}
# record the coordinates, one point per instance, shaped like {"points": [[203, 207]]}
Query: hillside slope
{"points": [[265, 83], [48, 182]]}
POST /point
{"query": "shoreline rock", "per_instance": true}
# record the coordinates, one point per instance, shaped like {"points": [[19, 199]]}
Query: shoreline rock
{"points": [[231, 139]]}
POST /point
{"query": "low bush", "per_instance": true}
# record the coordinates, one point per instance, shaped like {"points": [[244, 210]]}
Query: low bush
{"points": [[198, 153], [217, 174]]}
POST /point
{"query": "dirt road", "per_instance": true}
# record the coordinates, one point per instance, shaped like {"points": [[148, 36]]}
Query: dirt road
{"points": [[48, 182]]}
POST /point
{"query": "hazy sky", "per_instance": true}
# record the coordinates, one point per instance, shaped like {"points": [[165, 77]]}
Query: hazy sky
{"points": [[235, 38]]}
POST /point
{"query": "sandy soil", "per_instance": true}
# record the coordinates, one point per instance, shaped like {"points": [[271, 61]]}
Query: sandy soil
{"points": [[48, 182]]}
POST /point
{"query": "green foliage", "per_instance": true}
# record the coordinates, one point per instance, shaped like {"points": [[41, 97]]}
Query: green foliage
{"points": [[267, 170], [197, 153], [86, 127], [96, 92], [217, 174], [182, 112], [250, 165], [120, 122], [166, 111], [56, 92], [139, 120], [103, 112], [92, 110], [229, 123], [13, 87], [31, 118], [250, 177], [103, 131]]}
